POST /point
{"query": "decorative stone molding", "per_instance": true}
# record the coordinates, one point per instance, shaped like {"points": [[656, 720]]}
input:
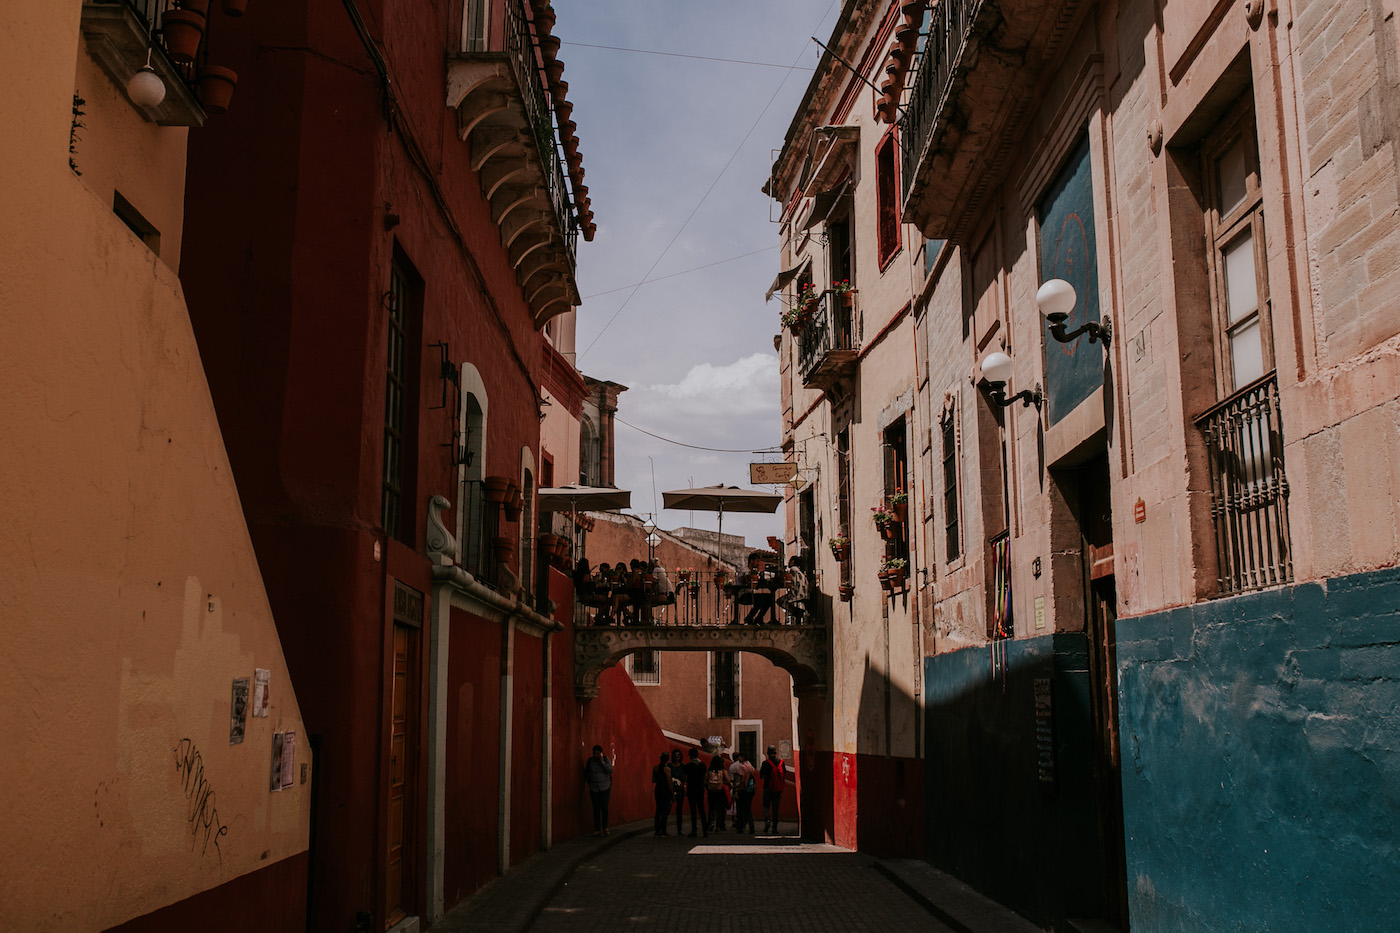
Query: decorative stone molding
{"points": [[801, 650], [442, 547]]}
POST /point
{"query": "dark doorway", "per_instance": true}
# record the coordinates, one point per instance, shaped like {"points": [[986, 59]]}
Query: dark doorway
{"points": [[1094, 511]]}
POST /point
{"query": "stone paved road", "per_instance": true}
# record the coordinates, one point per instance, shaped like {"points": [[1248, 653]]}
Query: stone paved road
{"points": [[730, 884]]}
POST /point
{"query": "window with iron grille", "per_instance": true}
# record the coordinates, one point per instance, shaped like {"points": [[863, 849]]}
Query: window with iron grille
{"points": [[843, 497], [724, 684], [1244, 433], [951, 531], [645, 666], [402, 302], [897, 484]]}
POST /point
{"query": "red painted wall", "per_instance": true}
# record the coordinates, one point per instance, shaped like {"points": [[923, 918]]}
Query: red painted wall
{"points": [[473, 762], [527, 752]]}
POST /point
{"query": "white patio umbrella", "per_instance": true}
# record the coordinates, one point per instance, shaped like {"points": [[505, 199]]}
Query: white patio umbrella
{"points": [[722, 499], [575, 499]]}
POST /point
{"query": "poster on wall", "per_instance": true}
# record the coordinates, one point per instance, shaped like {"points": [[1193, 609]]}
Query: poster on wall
{"points": [[262, 681], [289, 754], [276, 782], [238, 711], [1069, 251]]}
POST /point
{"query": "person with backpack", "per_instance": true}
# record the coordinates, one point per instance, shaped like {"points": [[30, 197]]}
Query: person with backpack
{"points": [[741, 778], [773, 774], [716, 780]]}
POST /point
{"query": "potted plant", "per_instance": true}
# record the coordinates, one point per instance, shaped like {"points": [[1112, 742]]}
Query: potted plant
{"points": [[897, 569], [846, 591], [503, 548], [682, 576], [807, 298], [844, 291], [216, 87], [549, 545], [899, 504], [721, 577], [885, 521], [513, 503], [795, 318], [840, 547], [183, 30]]}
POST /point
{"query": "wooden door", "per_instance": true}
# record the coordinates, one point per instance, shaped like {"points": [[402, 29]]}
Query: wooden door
{"points": [[399, 881]]}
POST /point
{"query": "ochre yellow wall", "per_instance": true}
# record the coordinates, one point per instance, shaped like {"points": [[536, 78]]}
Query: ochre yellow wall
{"points": [[129, 593]]}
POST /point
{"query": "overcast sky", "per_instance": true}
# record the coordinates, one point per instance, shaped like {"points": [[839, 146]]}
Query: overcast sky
{"points": [[656, 133]]}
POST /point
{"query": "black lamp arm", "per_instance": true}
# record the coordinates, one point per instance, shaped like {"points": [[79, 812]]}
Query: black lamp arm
{"points": [[1097, 331]]}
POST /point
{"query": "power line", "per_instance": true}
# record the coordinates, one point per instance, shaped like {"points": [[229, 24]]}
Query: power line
{"points": [[718, 450], [696, 209], [703, 58], [672, 275]]}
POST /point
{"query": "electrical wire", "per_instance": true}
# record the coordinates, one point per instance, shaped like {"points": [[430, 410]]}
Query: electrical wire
{"points": [[718, 450], [704, 197], [703, 58], [672, 275]]}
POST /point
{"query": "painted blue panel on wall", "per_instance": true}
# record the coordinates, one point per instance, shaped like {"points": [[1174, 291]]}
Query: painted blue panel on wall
{"points": [[1073, 371], [1261, 760]]}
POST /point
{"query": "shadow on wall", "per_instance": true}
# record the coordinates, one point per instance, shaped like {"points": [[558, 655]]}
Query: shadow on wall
{"points": [[889, 790], [1009, 804]]}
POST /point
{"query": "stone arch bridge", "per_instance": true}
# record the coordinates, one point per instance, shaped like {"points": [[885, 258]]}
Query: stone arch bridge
{"points": [[801, 650]]}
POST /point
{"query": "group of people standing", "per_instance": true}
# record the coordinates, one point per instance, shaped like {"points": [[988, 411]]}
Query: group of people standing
{"points": [[709, 790]]}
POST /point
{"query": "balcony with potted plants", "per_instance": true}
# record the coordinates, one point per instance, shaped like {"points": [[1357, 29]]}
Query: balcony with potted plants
{"points": [[973, 86], [158, 51], [826, 340], [506, 84]]}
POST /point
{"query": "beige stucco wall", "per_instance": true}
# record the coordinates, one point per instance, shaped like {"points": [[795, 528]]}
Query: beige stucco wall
{"points": [[876, 643], [132, 598]]}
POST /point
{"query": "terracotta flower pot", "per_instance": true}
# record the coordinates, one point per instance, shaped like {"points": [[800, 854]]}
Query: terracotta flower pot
{"points": [[497, 489], [890, 531], [846, 591], [886, 582], [503, 548], [841, 552], [900, 510], [183, 31], [216, 87], [234, 7], [555, 70]]}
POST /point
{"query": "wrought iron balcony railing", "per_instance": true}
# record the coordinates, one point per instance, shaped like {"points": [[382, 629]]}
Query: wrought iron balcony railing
{"points": [[518, 47], [950, 23], [698, 598], [826, 345], [1249, 489]]}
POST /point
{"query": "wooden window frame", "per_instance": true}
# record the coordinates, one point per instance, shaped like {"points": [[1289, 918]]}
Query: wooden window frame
{"points": [[952, 525], [1223, 230], [888, 234]]}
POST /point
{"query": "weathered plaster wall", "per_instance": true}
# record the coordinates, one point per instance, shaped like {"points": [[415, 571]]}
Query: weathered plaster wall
{"points": [[1259, 759], [132, 597]]}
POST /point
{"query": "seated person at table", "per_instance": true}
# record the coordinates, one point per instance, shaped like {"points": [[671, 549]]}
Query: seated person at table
{"points": [[663, 592], [636, 590], [794, 600]]}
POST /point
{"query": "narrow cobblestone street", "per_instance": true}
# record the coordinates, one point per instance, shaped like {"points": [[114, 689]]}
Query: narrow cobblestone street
{"points": [[728, 882]]}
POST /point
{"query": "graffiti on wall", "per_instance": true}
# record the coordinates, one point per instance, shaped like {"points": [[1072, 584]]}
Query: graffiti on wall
{"points": [[200, 810]]}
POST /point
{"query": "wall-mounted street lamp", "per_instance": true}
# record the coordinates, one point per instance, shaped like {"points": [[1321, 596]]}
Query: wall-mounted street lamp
{"points": [[1056, 300], [996, 373]]}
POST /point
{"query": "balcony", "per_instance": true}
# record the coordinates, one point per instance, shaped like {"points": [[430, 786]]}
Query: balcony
{"points": [[1248, 488], [507, 115], [119, 34], [826, 346], [976, 83]]}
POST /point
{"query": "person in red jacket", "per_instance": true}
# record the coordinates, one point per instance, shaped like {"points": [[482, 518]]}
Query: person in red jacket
{"points": [[773, 774]]}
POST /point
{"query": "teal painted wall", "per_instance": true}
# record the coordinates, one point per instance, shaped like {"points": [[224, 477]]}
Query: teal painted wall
{"points": [[1261, 775], [989, 820]]}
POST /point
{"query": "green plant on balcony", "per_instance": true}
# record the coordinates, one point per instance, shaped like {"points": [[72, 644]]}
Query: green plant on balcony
{"points": [[840, 547], [844, 291]]}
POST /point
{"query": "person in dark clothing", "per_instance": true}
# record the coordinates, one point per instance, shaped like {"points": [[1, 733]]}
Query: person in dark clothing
{"points": [[678, 788], [695, 791], [716, 784], [661, 792], [597, 773], [773, 776]]}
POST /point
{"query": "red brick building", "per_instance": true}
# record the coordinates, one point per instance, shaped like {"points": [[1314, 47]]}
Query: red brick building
{"points": [[380, 335]]}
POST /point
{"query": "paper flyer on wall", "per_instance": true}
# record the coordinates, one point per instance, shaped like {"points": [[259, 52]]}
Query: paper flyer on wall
{"points": [[289, 754], [262, 680], [276, 783], [238, 711]]}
